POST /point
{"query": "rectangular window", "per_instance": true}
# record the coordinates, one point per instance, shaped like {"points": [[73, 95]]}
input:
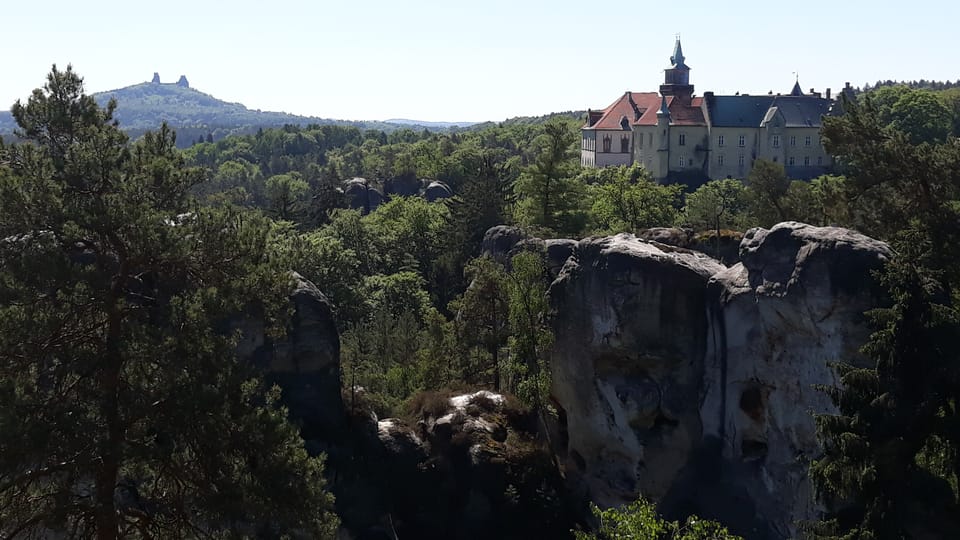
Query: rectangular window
{"points": [[606, 143], [776, 141], [790, 161], [683, 139], [720, 159], [743, 141], [719, 140], [650, 139], [793, 140], [806, 141], [640, 141], [819, 160], [740, 160], [624, 145], [682, 161]]}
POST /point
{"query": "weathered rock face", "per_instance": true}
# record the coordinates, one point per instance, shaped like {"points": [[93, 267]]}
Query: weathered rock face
{"points": [[792, 306], [627, 365], [361, 195], [468, 466], [502, 242], [692, 383], [305, 363], [727, 251], [437, 190], [499, 240]]}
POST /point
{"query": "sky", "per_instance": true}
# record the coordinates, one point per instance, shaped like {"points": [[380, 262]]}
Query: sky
{"points": [[450, 60]]}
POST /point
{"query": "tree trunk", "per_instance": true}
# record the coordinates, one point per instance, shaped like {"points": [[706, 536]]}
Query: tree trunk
{"points": [[106, 481]]}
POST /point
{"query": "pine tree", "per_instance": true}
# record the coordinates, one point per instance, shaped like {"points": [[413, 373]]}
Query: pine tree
{"points": [[549, 196], [891, 462], [124, 411]]}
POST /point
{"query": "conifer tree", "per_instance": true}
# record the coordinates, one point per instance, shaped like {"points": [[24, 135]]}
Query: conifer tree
{"points": [[891, 460], [124, 411]]}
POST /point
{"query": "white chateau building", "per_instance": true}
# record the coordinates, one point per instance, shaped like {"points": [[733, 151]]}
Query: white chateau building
{"points": [[681, 137]]}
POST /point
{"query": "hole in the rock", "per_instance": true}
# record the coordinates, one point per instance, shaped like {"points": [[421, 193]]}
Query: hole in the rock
{"points": [[752, 450], [751, 403]]}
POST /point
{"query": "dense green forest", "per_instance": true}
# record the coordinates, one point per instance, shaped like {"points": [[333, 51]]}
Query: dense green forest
{"points": [[94, 384]]}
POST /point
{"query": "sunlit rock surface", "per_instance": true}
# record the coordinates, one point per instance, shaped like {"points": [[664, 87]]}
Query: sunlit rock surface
{"points": [[692, 383]]}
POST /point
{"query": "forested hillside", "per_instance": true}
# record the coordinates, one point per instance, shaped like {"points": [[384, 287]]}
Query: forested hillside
{"points": [[131, 273], [198, 116]]}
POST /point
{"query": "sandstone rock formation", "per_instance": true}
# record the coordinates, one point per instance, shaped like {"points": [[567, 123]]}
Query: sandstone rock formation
{"points": [[361, 195], [692, 383], [305, 363], [628, 361], [704, 242], [793, 305], [437, 190], [463, 466], [502, 242]]}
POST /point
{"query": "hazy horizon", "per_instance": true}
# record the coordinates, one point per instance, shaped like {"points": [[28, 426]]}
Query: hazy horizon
{"points": [[430, 61]]}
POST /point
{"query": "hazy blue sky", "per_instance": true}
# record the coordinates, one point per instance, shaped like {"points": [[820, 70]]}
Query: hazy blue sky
{"points": [[489, 59]]}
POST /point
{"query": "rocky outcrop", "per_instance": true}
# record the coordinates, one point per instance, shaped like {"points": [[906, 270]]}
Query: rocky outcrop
{"points": [[436, 191], [692, 383], [502, 242], [726, 251], [305, 363], [793, 305], [361, 195], [627, 364], [499, 240], [461, 466]]}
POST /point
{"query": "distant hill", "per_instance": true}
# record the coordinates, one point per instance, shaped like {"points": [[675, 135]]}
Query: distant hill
{"points": [[423, 123], [194, 114], [531, 120]]}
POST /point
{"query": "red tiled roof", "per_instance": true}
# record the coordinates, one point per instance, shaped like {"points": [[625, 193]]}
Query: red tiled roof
{"points": [[631, 105], [640, 109]]}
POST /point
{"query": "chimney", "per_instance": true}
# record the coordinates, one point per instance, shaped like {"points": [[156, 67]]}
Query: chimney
{"points": [[812, 91], [828, 93]]}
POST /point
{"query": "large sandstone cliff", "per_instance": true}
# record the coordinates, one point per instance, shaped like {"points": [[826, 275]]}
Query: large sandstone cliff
{"points": [[692, 383]]}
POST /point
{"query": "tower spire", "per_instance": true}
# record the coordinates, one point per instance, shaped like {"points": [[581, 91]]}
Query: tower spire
{"points": [[796, 91], [677, 60]]}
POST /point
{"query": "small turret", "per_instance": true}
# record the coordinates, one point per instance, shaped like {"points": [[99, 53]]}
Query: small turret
{"points": [[676, 78], [664, 111], [182, 82], [797, 91], [156, 78]]}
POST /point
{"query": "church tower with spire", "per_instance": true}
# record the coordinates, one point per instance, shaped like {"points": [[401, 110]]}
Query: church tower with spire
{"points": [[676, 79]]}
